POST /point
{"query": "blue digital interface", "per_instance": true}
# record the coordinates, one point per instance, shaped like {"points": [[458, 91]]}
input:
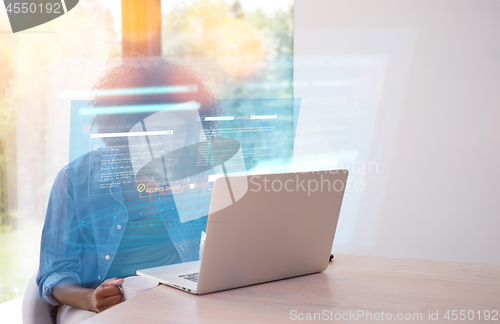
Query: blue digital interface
{"points": [[158, 174]]}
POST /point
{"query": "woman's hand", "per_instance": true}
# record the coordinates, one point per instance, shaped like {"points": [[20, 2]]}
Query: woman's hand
{"points": [[106, 295], [69, 292]]}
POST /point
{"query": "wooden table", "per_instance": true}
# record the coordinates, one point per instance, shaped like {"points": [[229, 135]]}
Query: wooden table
{"points": [[351, 286]]}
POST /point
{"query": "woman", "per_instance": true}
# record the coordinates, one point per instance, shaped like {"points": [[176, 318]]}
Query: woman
{"points": [[101, 223]]}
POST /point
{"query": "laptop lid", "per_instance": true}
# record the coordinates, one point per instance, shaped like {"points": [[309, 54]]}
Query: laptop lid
{"points": [[277, 226]]}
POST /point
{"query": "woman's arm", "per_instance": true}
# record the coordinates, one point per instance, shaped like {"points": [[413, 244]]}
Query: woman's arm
{"points": [[68, 292], [61, 244]]}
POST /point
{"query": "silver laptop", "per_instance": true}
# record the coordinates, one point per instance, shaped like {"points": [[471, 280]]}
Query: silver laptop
{"points": [[281, 227]]}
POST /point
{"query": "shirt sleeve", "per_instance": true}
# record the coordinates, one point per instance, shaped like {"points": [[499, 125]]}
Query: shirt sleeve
{"points": [[61, 243]]}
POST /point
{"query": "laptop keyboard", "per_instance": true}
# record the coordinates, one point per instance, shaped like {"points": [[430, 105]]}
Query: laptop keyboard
{"points": [[191, 276]]}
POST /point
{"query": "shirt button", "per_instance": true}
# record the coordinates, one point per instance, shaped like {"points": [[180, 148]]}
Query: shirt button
{"points": [[107, 257], [99, 277], [119, 227]]}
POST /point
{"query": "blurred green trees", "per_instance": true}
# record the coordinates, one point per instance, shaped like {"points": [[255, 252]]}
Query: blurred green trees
{"points": [[241, 54]]}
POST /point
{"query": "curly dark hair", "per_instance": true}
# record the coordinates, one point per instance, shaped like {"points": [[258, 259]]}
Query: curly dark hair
{"points": [[139, 71]]}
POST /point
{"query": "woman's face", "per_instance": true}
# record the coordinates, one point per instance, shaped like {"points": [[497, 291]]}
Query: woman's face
{"points": [[160, 140]]}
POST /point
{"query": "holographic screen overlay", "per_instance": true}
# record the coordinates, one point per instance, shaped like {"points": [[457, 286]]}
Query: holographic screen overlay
{"points": [[265, 129], [179, 163], [167, 153], [176, 173], [122, 155]]}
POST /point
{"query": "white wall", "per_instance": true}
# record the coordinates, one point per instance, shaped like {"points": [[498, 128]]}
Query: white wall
{"points": [[412, 87]]}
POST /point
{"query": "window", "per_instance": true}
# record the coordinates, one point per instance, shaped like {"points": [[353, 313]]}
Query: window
{"points": [[242, 48]]}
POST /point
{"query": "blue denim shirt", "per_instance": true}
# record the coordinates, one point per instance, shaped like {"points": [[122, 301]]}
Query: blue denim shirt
{"points": [[79, 245]]}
